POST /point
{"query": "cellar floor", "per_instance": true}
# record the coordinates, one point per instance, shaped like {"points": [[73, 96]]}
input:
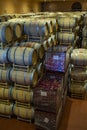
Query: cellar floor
{"points": [[74, 118]]}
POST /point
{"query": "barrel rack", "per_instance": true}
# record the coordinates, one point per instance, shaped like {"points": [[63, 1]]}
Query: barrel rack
{"points": [[38, 39], [22, 87], [4, 66], [23, 68], [25, 120]]}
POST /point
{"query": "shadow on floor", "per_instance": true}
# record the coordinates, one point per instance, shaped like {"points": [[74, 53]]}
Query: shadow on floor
{"points": [[66, 114]]}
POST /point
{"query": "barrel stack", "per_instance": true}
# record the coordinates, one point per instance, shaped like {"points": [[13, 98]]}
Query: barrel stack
{"points": [[69, 29], [84, 33], [6, 104], [24, 75], [78, 73], [41, 30]]}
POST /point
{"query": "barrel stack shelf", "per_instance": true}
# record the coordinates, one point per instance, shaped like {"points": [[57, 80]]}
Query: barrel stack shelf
{"points": [[70, 28], [84, 33], [6, 104], [78, 74], [24, 78]]}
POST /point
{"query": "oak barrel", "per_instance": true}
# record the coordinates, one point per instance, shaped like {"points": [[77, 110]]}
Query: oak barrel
{"points": [[4, 75], [5, 93], [39, 47], [24, 78], [22, 95], [26, 113], [66, 37], [23, 56], [79, 57], [4, 55], [67, 22], [6, 109], [6, 33]]}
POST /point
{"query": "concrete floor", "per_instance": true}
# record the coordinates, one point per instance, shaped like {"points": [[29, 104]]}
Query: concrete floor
{"points": [[74, 118]]}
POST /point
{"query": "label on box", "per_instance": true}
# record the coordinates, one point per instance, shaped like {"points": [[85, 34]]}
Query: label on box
{"points": [[46, 120], [55, 57], [43, 93]]}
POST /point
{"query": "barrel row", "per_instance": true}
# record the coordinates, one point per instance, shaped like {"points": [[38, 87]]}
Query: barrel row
{"points": [[19, 95], [16, 29], [10, 109], [23, 55], [21, 77]]}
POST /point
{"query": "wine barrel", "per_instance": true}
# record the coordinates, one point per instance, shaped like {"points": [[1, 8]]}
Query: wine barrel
{"points": [[23, 56], [3, 55], [84, 32], [24, 78], [5, 93], [2, 18], [6, 109], [66, 37], [36, 29], [79, 74], [22, 96], [54, 39], [39, 47], [40, 69], [46, 45], [6, 33], [18, 26], [23, 112], [54, 24], [17, 29], [85, 19], [77, 87], [67, 22], [4, 75], [49, 23], [79, 57], [84, 43], [50, 42]]}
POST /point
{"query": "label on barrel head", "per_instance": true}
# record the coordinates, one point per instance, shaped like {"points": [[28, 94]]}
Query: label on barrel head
{"points": [[46, 120], [43, 93]]}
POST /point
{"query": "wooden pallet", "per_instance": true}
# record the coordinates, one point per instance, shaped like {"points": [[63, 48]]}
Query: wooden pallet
{"points": [[6, 116], [4, 66], [7, 102], [4, 85], [25, 120], [25, 105], [38, 39], [22, 87], [23, 68], [77, 95]]}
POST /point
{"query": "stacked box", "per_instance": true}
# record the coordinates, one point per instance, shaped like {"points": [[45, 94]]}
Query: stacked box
{"points": [[48, 101], [51, 91]]}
